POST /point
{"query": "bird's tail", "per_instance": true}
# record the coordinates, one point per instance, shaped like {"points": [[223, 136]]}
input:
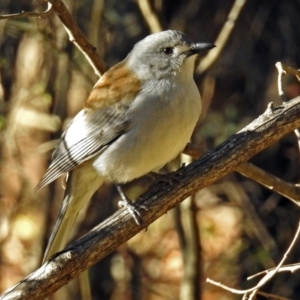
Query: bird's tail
{"points": [[82, 183]]}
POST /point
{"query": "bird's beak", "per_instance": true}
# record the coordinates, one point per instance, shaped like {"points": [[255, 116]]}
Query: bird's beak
{"points": [[200, 48]]}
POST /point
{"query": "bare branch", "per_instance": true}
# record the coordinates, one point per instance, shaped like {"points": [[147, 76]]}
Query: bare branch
{"points": [[288, 190], [282, 72], [161, 197], [290, 70], [149, 16], [286, 268], [78, 39], [75, 34], [28, 14], [223, 36], [265, 279], [271, 274]]}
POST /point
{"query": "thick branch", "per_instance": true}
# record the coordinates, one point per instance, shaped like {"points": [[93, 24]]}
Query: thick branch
{"points": [[106, 237]]}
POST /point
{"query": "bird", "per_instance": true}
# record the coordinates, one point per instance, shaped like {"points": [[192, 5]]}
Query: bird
{"points": [[140, 115]]}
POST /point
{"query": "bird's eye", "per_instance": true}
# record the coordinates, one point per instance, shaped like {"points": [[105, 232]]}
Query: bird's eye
{"points": [[168, 50]]}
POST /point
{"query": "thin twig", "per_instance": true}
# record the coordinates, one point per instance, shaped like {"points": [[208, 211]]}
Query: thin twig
{"points": [[286, 268], [290, 70], [281, 72], [271, 274], [149, 16], [223, 36], [23, 13], [266, 278]]}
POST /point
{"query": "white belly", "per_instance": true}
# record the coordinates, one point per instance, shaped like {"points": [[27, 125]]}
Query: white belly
{"points": [[157, 135]]}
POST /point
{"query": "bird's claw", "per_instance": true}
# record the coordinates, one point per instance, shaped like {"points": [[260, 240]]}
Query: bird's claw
{"points": [[133, 209]]}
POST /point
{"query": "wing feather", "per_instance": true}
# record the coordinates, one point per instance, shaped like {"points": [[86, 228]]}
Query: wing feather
{"points": [[86, 136]]}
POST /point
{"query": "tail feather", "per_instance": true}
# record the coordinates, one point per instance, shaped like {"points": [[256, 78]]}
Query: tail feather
{"points": [[81, 185]]}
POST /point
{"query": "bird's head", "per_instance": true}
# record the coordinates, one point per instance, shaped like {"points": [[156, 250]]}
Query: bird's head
{"points": [[165, 54]]}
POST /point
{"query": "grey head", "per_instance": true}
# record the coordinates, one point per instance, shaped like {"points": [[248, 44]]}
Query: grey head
{"points": [[165, 54]]}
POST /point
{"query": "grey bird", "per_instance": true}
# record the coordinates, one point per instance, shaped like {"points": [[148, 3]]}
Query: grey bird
{"points": [[139, 116]]}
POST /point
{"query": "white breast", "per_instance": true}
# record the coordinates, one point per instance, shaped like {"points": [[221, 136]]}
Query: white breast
{"points": [[161, 126]]}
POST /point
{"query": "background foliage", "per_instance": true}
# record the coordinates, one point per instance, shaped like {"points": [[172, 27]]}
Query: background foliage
{"points": [[242, 227]]}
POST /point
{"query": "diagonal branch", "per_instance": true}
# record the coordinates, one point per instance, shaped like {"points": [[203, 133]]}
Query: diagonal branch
{"points": [[223, 36], [149, 16], [75, 34], [120, 227], [78, 39], [288, 190]]}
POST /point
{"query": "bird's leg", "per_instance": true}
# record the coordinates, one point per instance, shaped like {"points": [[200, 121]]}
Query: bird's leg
{"points": [[131, 207]]}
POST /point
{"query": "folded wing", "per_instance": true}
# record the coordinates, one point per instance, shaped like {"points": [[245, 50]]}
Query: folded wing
{"points": [[87, 135]]}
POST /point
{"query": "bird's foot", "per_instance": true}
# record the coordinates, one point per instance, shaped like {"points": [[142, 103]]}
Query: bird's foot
{"points": [[131, 207]]}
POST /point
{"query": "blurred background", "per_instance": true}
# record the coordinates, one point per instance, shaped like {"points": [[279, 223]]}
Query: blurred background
{"points": [[227, 231]]}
